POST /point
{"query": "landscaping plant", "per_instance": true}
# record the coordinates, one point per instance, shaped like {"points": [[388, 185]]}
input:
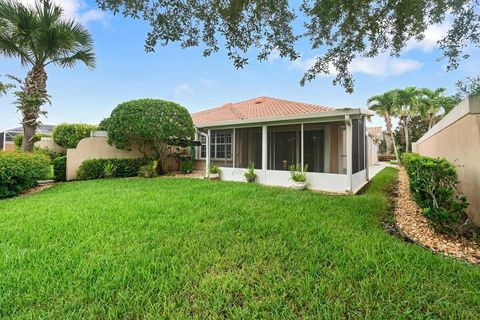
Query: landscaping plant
{"points": [[432, 183], [149, 125], [38, 36], [186, 166], [250, 175], [60, 168], [214, 172], [149, 170], [20, 171], [297, 174], [124, 168], [109, 169], [69, 135]]}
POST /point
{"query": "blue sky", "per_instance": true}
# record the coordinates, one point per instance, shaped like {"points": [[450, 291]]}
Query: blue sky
{"points": [[125, 72]]}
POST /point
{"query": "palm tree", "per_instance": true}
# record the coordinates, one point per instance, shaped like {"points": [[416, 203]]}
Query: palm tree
{"points": [[385, 106], [5, 87], [410, 104], [40, 36], [432, 102]]}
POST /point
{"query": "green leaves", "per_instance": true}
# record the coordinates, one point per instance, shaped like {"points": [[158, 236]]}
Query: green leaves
{"points": [[149, 125], [69, 135], [341, 30]]}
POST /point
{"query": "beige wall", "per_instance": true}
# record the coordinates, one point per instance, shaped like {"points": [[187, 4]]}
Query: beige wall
{"points": [[98, 148], [50, 145], [458, 140]]}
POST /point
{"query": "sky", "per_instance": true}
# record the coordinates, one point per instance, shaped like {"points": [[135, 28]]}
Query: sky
{"points": [[124, 71]]}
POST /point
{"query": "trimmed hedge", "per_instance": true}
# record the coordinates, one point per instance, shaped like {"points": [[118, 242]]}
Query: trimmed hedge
{"points": [[18, 139], [122, 168], [432, 183], [20, 171], [60, 168], [69, 135]]}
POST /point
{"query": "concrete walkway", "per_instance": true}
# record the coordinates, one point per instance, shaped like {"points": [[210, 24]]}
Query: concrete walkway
{"points": [[373, 170]]}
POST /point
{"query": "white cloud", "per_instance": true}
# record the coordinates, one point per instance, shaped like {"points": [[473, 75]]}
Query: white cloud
{"points": [[208, 82], [182, 89], [274, 55], [433, 34], [75, 9], [382, 65]]}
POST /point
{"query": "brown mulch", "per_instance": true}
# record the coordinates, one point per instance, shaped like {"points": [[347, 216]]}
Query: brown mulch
{"points": [[195, 174], [37, 188], [413, 225]]}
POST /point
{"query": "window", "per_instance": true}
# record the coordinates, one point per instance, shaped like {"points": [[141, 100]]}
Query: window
{"points": [[358, 145], [220, 144]]}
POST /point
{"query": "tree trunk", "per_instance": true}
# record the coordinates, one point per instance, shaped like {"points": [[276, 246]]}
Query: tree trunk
{"points": [[407, 140], [431, 121], [395, 148], [388, 141], [34, 95]]}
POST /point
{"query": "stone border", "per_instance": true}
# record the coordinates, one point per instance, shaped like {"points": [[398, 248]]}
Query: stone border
{"points": [[413, 225]]}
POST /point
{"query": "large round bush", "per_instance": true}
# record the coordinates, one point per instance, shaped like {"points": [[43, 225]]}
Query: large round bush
{"points": [[149, 125], [20, 171], [69, 135]]}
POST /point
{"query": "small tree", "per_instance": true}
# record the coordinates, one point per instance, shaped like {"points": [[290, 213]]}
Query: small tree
{"points": [[149, 125], [69, 135]]}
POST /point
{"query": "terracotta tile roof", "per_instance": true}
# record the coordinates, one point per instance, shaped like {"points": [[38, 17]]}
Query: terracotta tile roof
{"points": [[261, 107]]}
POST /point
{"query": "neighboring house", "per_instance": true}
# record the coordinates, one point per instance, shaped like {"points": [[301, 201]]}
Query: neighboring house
{"points": [[274, 134], [375, 137], [6, 137], [457, 138]]}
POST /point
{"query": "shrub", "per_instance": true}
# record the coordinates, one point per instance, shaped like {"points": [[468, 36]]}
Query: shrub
{"points": [[297, 174], [186, 166], [250, 175], [49, 153], [150, 125], [149, 170], [18, 139], [20, 171], [69, 135], [123, 168], [432, 183], [60, 168], [214, 169]]}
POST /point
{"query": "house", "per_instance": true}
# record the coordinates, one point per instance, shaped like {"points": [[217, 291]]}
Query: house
{"points": [[375, 137], [274, 134], [6, 137]]}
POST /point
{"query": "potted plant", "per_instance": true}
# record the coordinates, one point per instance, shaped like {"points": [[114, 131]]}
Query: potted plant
{"points": [[298, 176], [250, 175], [214, 172]]}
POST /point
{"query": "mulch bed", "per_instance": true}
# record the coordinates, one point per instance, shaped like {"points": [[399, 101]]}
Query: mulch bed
{"points": [[413, 225], [37, 188], [194, 174]]}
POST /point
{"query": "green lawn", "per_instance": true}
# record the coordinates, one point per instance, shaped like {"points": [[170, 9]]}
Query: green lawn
{"points": [[180, 248]]}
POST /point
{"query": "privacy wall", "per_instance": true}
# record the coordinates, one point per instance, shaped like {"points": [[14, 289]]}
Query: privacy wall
{"points": [[457, 138]]}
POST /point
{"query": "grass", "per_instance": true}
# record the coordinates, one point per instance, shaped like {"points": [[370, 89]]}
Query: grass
{"points": [[180, 248]]}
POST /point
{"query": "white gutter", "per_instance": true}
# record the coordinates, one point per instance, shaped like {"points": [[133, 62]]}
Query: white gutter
{"points": [[316, 115], [208, 149]]}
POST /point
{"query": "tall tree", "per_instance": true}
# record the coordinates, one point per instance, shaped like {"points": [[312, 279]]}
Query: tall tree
{"points": [[432, 101], [410, 104], [5, 87], [40, 36], [339, 30], [385, 105]]}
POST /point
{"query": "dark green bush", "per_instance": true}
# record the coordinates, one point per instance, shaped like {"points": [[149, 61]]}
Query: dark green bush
{"points": [[123, 168], [149, 125], [18, 139], [69, 135], [432, 183], [60, 168], [186, 166], [20, 171]]}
